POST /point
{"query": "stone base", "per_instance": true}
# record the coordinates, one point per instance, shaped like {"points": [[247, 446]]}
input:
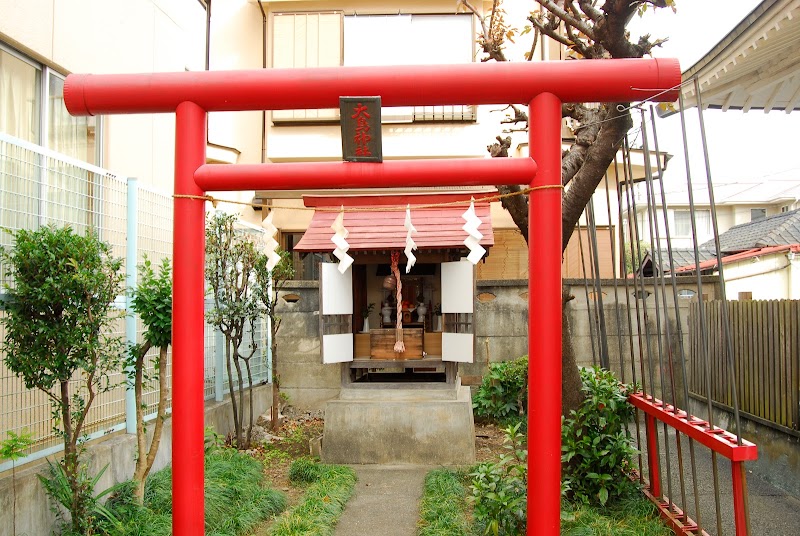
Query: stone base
{"points": [[400, 426]]}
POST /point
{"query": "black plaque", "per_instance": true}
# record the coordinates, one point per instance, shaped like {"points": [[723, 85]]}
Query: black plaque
{"points": [[361, 129]]}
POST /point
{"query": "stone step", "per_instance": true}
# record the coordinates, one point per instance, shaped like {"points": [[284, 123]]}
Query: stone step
{"points": [[399, 426], [424, 392]]}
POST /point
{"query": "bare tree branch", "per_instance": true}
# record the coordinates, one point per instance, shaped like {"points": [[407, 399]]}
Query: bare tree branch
{"points": [[577, 43], [529, 55], [556, 10], [492, 49], [500, 149], [552, 34], [517, 207], [590, 11]]}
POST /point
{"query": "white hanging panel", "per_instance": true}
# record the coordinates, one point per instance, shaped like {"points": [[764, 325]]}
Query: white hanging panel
{"points": [[458, 347], [336, 290], [337, 348], [457, 287]]}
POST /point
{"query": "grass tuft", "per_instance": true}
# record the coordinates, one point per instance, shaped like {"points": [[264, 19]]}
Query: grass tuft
{"points": [[632, 515], [443, 510], [235, 499], [304, 471], [329, 488]]}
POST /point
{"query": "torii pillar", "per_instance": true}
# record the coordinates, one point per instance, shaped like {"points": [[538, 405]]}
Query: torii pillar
{"points": [[544, 85]]}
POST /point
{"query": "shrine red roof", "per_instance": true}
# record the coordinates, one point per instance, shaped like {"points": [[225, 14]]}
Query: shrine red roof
{"points": [[376, 222]]}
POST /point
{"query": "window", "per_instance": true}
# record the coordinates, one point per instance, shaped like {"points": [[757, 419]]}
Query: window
{"points": [[785, 208], [23, 114], [306, 265], [306, 40], [67, 134], [331, 39], [683, 223], [40, 187], [19, 97], [758, 214]]}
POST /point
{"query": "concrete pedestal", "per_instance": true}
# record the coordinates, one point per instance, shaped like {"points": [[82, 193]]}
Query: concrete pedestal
{"points": [[400, 426]]}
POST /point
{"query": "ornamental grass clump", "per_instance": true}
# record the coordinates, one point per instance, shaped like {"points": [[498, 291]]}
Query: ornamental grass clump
{"points": [[329, 488], [597, 452], [443, 509], [236, 499]]}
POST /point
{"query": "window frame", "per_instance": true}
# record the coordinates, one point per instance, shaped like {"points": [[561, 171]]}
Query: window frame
{"points": [[303, 257], [461, 114], [761, 210], [679, 233], [43, 94]]}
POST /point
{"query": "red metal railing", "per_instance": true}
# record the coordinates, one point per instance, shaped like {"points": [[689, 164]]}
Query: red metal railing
{"points": [[722, 442]]}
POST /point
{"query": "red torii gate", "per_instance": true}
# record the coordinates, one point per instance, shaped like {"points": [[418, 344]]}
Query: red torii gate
{"points": [[544, 86]]}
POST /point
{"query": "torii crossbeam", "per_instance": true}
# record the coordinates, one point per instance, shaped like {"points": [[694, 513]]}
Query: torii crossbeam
{"points": [[544, 86]]}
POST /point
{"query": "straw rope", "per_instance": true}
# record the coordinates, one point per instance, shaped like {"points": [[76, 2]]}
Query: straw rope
{"points": [[388, 208]]}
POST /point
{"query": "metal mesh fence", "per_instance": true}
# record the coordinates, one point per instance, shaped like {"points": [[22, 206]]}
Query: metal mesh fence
{"points": [[39, 187]]}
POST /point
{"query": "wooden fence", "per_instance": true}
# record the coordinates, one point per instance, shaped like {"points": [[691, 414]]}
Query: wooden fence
{"points": [[766, 350]]}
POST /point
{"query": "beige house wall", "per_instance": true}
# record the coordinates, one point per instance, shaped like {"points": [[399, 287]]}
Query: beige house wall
{"points": [[98, 36], [237, 41], [767, 277]]}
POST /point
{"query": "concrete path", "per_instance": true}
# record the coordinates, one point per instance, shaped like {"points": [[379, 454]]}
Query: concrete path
{"points": [[385, 501]]}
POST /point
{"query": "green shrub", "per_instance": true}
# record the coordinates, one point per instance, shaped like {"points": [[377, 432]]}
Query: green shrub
{"points": [[596, 450], [60, 338], [503, 394], [443, 507], [499, 490]]}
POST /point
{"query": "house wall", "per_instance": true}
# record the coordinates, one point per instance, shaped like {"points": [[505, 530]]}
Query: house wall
{"points": [[679, 241], [97, 36], [238, 42], [767, 277]]}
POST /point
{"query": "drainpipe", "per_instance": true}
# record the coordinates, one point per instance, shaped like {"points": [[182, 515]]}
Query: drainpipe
{"points": [[208, 34], [264, 211], [263, 66]]}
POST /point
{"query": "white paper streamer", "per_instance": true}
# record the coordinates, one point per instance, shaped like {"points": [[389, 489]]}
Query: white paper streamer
{"points": [[410, 244], [271, 245], [476, 251], [339, 239]]}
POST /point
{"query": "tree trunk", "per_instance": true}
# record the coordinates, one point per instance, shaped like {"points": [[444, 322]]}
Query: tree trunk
{"points": [[241, 442], [71, 459], [145, 459], [139, 470], [276, 385], [228, 359], [571, 393], [250, 405]]}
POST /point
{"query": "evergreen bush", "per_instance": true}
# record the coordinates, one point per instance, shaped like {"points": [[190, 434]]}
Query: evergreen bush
{"points": [[503, 395], [597, 451]]}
